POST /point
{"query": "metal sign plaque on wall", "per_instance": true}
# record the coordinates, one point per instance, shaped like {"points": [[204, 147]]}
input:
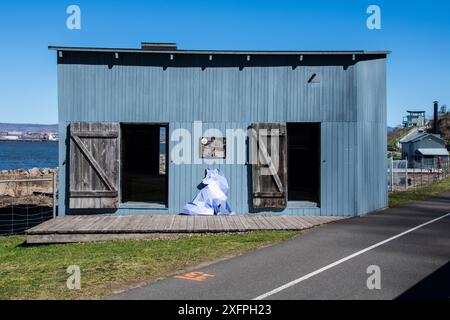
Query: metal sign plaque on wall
{"points": [[213, 148]]}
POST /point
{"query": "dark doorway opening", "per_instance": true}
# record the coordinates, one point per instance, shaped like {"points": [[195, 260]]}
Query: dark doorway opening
{"points": [[144, 165], [303, 140]]}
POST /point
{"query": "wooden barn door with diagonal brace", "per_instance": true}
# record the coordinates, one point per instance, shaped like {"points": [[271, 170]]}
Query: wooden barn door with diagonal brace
{"points": [[94, 165], [269, 165]]}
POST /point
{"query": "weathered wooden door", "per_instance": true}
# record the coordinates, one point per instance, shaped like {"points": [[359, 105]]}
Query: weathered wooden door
{"points": [[268, 155], [94, 165]]}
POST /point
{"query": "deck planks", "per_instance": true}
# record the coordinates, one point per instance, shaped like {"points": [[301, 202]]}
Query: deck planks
{"points": [[97, 227]]}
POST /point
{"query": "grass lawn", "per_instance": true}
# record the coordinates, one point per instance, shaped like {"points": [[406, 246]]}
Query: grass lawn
{"points": [[39, 272], [406, 197]]}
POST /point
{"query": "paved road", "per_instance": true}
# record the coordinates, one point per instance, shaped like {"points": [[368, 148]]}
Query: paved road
{"points": [[410, 244]]}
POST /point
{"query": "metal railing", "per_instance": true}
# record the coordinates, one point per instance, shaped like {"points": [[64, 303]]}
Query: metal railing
{"points": [[25, 203], [404, 175]]}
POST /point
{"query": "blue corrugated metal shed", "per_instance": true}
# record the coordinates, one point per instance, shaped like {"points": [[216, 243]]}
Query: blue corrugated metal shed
{"points": [[234, 89]]}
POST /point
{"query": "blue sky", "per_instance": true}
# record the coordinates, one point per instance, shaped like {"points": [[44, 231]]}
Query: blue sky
{"points": [[418, 33]]}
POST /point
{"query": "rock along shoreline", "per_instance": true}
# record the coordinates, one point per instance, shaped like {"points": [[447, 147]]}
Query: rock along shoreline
{"points": [[20, 193]]}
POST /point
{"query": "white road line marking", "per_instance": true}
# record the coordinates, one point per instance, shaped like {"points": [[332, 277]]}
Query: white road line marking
{"points": [[312, 274]]}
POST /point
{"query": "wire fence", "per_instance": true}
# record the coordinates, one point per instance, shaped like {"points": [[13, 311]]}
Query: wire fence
{"points": [[406, 175], [25, 203]]}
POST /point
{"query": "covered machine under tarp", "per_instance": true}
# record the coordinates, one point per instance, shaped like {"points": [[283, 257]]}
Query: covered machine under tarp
{"points": [[212, 197]]}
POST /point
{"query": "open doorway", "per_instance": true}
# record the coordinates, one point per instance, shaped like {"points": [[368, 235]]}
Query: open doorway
{"points": [[303, 142], [144, 165]]}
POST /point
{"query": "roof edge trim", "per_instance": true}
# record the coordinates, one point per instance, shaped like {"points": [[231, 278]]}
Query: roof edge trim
{"points": [[225, 52]]}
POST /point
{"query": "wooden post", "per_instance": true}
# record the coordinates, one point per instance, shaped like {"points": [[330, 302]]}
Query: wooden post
{"points": [[392, 173], [54, 193], [406, 175]]}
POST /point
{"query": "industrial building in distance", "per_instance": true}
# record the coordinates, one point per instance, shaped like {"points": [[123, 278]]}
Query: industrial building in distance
{"points": [[28, 132]]}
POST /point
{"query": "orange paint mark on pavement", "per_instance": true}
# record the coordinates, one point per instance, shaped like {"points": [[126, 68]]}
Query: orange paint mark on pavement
{"points": [[195, 276]]}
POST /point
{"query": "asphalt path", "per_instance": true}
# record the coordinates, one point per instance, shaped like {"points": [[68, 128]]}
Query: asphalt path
{"points": [[398, 253]]}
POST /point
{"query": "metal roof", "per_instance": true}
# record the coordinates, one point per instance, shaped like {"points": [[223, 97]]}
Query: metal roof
{"points": [[416, 137], [224, 52], [421, 136], [433, 151]]}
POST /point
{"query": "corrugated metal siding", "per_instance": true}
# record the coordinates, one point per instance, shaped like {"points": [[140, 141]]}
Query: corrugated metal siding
{"points": [[337, 167], [349, 103], [262, 94], [337, 191], [371, 136], [185, 177]]}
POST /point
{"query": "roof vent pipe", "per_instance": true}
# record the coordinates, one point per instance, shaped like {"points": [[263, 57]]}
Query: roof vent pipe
{"points": [[436, 118]]}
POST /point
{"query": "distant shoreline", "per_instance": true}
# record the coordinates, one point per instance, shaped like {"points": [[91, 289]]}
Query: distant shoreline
{"points": [[28, 140]]}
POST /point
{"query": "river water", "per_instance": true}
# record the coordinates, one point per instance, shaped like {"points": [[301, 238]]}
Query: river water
{"points": [[28, 154]]}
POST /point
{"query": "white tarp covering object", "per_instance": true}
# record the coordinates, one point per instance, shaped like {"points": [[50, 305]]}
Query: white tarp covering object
{"points": [[212, 198]]}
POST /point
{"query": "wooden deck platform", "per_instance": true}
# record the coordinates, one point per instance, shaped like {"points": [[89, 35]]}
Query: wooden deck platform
{"points": [[68, 229]]}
